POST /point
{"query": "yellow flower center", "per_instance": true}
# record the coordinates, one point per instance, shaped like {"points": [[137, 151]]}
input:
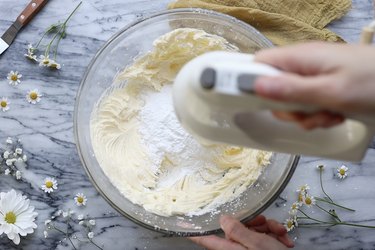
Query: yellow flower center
{"points": [[10, 218], [33, 96], [14, 77], [3, 104], [300, 197], [289, 224], [80, 199], [294, 206], [342, 171], [45, 61], [49, 184], [308, 201]]}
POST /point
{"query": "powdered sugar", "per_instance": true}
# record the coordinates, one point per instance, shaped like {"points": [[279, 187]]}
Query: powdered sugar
{"points": [[165, 139]]}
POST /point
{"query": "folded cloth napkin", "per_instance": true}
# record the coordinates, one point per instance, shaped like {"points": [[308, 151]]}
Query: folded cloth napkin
{"points": [[281, 21]]}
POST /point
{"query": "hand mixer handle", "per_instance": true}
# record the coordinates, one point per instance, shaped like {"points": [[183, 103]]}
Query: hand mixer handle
{"points": [[224, 108]]}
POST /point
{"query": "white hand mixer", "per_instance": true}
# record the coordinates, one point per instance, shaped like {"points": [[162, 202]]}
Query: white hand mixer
{"points": [[214, 100]]}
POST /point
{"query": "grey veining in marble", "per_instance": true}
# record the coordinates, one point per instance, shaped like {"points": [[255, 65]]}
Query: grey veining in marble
{"points": [[46, 130]]}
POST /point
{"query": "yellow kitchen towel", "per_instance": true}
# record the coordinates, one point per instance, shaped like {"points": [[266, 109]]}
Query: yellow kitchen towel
{"points": [[281, 21]]}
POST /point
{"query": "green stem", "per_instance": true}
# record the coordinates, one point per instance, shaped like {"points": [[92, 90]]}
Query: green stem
{"points": [[321, 184], [328, 212], [308, 217], [354, 225], [57, 44], [62, 27], [332, 203]]}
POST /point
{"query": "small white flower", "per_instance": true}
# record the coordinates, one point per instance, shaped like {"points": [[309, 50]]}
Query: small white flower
{"points": [[49, 185], [58, 212], [18, 175], [18, 151], [24, 158], [80, 199], [65, 214], [342, 172], [44, 60], [294, 208], [92, 222], [80, 217], [9, 140], [303, 188], [81, 222], [7, 171], [4, 104], [6, 154], [16, 215], [309, 200], [45, 234], [291, 223], [47, 222], [14, 78], [30, 53], [90, 235], [54, 65], [33, 96], [10, 162]]}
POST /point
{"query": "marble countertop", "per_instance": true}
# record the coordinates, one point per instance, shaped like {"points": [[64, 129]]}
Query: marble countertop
{"points": [[46, 130]]}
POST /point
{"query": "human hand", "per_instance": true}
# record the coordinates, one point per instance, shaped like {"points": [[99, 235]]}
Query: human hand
{"points": [[257, 234], [334, 78]]}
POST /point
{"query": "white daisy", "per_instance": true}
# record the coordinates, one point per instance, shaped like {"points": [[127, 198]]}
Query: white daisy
{"points": [[309, 200], [90, 235], [80, 217], [16, 216], [303, 188], [342, 172], [4, 104], [6, 154], [30, 53], [14, 78], [9, 140], [10, 162], [18, 151], [24, 158], [80, 199], [18, 175], [33, 96], [294, 208], [44, 60], [49, 184], [92, 222], [47, 222], [7, 171], [291, 223], [54, 65]]}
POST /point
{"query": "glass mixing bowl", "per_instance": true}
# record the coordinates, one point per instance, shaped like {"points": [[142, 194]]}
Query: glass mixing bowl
{"points": [[120, 51]]}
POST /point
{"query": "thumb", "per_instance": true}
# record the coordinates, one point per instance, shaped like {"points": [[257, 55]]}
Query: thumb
{"points": [[312, 90]]}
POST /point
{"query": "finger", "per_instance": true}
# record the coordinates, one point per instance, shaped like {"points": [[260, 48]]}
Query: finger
{"points": [[296, 88], [305, 59], [236, 231], [257, 221], [321, 119], [216, 243], [286, 240], [276, 228], [289, 116]]}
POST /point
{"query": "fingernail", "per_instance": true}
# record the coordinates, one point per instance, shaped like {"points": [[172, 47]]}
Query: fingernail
{"points": [[268, 85]]}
